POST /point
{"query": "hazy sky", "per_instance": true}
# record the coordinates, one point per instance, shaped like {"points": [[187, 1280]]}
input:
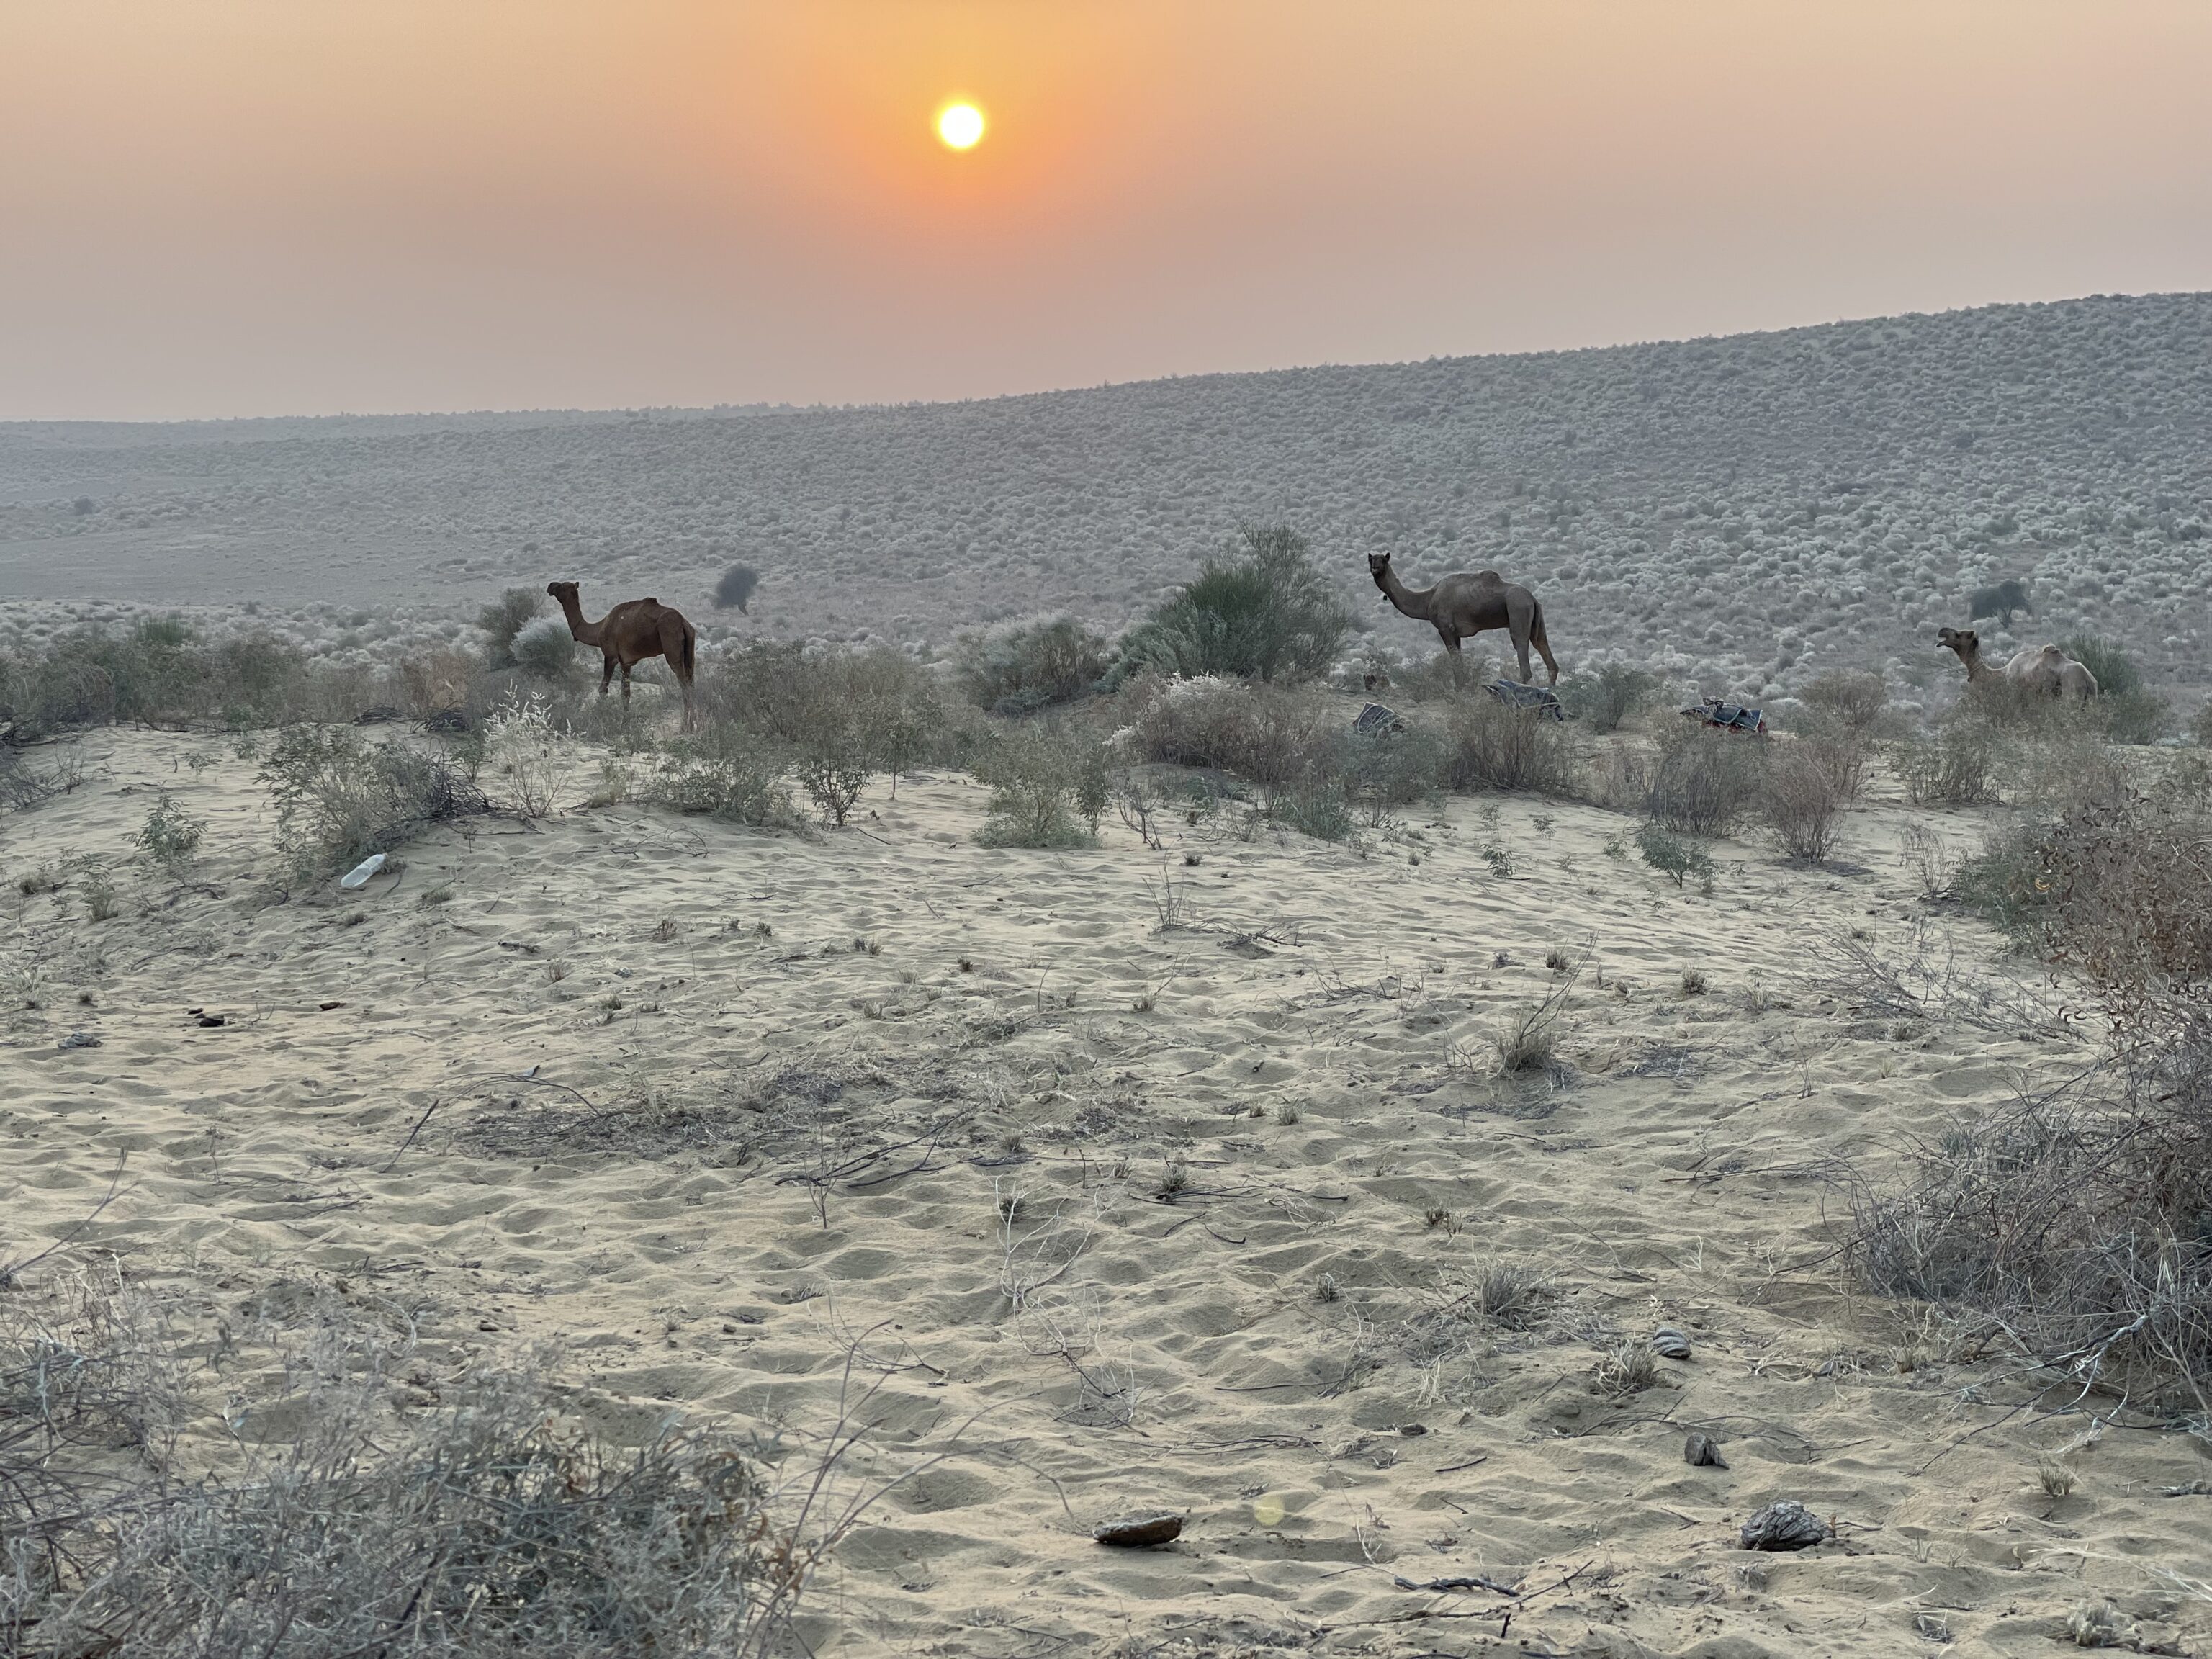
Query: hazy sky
{"points": [[231, 207]]}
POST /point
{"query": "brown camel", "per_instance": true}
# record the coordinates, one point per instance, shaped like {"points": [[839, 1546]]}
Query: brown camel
{"points": [[628, 633], [2044, 672], [1459, 607]]}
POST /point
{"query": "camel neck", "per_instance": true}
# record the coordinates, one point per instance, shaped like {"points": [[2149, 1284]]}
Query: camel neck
{"points": [[1409, 601], [580, 630]]}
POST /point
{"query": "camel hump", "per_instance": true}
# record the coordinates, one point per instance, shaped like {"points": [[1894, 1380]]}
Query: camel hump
{"points": [[650, 600]]}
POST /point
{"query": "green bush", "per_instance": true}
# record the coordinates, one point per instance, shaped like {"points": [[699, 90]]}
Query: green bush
{"points": [[544, 649], [1261, 610], [1049, 786], [158, 672], [2132, 712], [1606, 698], [170, 836], [1018, 668], [1673, 857], [340, 797], [504, 618]]}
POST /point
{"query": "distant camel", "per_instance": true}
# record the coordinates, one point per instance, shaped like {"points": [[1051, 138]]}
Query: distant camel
{"points": [[1459, 607], [1999, 599], [2048, 672], [628, 633]]}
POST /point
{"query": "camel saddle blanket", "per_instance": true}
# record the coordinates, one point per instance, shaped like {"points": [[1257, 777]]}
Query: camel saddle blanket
{"points": [[1375, 720], [1733, 715], [1514, 694]]}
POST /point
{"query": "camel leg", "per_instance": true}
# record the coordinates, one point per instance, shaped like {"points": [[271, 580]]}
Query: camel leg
{"points": [[1518, 623], [1543, 645], [625, 667], [1451, 649], [606, 673]]}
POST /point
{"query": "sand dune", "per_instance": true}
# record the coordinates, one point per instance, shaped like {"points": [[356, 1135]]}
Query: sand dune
{"points": [[1115, 1217]]}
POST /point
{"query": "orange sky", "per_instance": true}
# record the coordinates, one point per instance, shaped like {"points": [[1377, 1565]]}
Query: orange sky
{"points": [[217, 207]]}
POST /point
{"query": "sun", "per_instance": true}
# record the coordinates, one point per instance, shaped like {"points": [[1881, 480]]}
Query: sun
{"points": [[960, 125]]}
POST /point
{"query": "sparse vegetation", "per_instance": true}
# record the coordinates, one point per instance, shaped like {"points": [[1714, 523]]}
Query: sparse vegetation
{"points": [[481, 1527], [2074, 1219], [339, 797]]}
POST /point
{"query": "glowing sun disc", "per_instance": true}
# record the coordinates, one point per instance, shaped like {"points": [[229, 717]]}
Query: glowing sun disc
{"points": [[960, 125]]}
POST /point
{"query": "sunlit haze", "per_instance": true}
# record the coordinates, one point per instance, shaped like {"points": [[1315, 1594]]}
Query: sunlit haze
{"points": [[232, 207]]}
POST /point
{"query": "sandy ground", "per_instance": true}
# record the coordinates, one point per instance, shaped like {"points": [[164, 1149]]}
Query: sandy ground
{"points": [[737, 1117]]}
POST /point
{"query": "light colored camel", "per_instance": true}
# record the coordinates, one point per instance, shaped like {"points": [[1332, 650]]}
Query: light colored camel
{"points": [[2047, 671], [628, 633], [1461, 606]]}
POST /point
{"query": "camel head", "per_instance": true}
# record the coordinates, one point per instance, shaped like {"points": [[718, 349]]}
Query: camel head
{"points": [[562, 591], [1378, 565], [1964, 640]]}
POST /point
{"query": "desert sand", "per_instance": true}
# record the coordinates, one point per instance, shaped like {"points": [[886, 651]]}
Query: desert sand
{"points": [[1128, 1182]]}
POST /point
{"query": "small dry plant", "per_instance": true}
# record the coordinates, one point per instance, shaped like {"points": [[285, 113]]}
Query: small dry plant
{"points": [[1529, 1046], [1629, 1367], [527, 755]]}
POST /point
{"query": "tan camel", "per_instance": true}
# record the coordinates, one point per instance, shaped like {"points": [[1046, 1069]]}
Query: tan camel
{"points": [[2040, 673], [1461, 606], [628, 633]]}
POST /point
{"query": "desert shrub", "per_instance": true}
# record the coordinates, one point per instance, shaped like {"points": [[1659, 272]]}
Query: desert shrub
{"points": [[479, 1528], [340, 797], [841, 717], [1957, 763], [504, 618], [835, 768], [1049, 786], [1677, 859], [525, 753], [1852, 701], [1261, 610], [544, 649], [436, 683], [170, 836], [723, 772], [1702, 780], [1269, 736], [2132, 713], [1608, 697], [1018, 668], [1842, 754], [735, 588], [160, 673], [2079, 1220], [1490, 745], [1801, 804]]}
